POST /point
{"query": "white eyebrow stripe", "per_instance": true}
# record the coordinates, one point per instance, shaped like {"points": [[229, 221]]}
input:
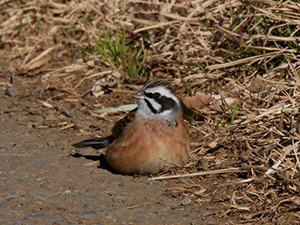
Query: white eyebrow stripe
{"points": [[163, 91], [154, 104]]}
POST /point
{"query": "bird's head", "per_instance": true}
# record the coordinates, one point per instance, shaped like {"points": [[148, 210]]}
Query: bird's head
{"points": [[156, 101]]}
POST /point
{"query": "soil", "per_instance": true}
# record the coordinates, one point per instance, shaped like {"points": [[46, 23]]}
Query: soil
{"points": [[46, 181]]}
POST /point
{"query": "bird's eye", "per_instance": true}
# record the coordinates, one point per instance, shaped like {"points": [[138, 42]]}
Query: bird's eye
{"points": [[156, 95]]}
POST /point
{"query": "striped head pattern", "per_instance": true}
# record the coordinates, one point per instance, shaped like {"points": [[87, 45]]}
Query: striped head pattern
{"points": [[156, 101]]}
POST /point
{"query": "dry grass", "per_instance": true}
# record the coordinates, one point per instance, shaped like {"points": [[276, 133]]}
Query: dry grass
{"points": [[246, 50]]}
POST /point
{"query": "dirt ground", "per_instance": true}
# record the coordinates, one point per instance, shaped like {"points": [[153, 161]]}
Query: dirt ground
{"points": [[46, 181], [237, 62]]}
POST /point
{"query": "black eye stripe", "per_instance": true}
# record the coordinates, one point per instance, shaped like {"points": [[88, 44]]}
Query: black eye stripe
{"points": [[150, 106], [149, 95], [166, 103], [154, 95]]}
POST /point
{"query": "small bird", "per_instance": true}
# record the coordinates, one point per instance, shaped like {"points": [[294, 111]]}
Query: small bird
{"points": [[150, 138]]}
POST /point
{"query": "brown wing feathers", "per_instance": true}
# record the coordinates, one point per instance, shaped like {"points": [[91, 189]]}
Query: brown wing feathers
{"points": [[119, 127], [117, 131]]}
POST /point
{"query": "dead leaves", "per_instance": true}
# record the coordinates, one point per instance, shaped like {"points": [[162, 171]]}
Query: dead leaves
{"points": [[38, 61], [111, 80], [201, 105]]}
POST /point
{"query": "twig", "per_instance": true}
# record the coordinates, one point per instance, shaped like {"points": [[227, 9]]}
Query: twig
{"points": [[229, 170]]}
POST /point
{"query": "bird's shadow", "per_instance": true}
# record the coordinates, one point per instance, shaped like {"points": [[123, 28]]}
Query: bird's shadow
{"points": [[100, 158], [103, 163]]}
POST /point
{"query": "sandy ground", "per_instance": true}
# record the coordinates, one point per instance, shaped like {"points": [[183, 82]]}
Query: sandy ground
{"points": [[43, 180]]}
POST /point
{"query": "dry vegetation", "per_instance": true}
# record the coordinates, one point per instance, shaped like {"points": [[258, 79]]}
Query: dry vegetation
{"points": [[243, 51]]}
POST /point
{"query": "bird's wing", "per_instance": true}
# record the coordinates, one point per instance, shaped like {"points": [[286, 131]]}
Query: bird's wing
{"points": [[119, 127], [117, 131]]}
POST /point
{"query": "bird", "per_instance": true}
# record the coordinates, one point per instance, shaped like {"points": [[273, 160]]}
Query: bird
{"points": [[151, 138]]}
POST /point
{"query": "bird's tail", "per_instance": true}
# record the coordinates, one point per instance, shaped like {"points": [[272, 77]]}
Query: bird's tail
{"points": [[96, 143]]}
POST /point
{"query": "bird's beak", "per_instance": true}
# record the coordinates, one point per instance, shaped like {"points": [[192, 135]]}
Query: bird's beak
{"points": [[139, 95]]}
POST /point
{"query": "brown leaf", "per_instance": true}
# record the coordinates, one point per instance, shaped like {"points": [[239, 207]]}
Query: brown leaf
{"points": [[192, 105], [258, 85], [197, 102]]}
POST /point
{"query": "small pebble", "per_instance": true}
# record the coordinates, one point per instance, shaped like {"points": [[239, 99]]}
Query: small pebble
{"points": [[11, 199], [12, 92], [37, 119], [60, 54], [45, 132], [124, 182], [18, 144], [186, 201], [42, 146], [86, 205], [169, 204], [51, 208], [59, 222], [88, 215], [50, 144], [36, 214], [66, 192], [204, 165], [3, 126], [26, 85], [5, 138], [9, 75], [37, 91], [140, 213]]}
